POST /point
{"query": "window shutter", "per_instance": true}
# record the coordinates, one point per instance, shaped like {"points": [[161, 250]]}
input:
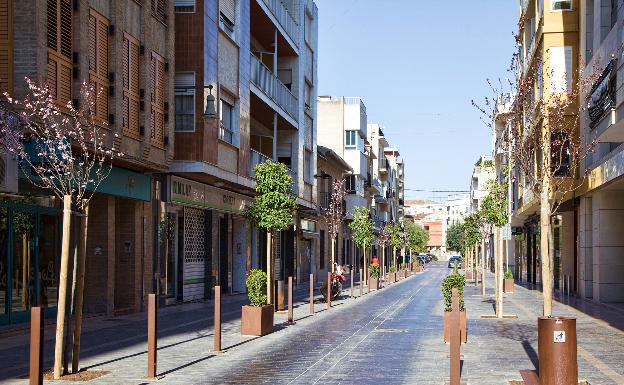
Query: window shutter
{"points": [[59, 38], [6, 46], [157, 66], [228, 9], [130, 67], [98, 63], [159, 9]]}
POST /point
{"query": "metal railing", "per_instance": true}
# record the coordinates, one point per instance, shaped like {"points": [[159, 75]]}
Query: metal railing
{"points": [[268, 82], [324, 200], [284, 18], [255, 158]]}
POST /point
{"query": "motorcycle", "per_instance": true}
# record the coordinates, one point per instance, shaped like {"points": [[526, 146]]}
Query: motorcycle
{"points": [[336, 286]]}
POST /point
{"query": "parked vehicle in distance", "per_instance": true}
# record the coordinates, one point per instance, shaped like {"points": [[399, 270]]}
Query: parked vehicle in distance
{"points": [[455, 260]]}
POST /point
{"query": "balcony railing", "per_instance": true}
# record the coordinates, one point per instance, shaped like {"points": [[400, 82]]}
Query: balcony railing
{"points": [[324, 200], [272, 87], [255, 158], [284, 18]]}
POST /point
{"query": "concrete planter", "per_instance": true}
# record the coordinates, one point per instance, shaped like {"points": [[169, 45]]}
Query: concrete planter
{"points": [[462, 326], [407, 273], [257, 320], [392, 277], [469, 274], [374, 283], [508, 285]]}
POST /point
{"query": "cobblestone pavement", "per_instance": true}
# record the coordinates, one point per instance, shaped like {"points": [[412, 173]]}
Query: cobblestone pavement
{"points": [[391, 336]]}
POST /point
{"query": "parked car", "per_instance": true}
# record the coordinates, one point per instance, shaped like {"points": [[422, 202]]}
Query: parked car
{"points": [[455, 260]]}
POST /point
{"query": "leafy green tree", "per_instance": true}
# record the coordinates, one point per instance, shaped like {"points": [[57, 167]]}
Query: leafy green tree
{"points": [[396, 236], [417, 237], [273, 208], [362, 230], [455, 237]]}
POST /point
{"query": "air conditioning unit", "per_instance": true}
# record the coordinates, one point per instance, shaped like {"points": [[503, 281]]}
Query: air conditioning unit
{"points": [[8, 173]]}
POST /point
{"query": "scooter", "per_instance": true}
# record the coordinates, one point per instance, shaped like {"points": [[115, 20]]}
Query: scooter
{"points": [[336, 286]]}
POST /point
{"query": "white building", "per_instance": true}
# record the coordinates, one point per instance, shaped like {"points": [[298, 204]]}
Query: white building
{"points": [[482, 173]]}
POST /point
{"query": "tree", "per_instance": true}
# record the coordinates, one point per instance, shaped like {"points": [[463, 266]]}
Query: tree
{"points": [[362, 231], [334, 215], [273, 208], [471, 236], [64, 150], [396, 238], [382, 241], [543, 140], [417, 237], [455, 237]]}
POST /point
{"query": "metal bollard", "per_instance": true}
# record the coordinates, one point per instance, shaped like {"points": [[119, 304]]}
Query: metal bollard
{"points": [[568, 286], [361, 284], [557, 350], [290, 300], [217, 320], [36, 346], [351, 292], [151, 336], [311, 293], [329, 292], [455, 340]]}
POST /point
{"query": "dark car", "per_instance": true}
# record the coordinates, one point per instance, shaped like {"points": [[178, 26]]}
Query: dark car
{"points": [[455, 260]]}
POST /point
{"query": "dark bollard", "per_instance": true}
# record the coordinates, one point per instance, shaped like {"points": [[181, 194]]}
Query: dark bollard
{"points": [[557, 350], [280, 295], [361, 284], [290, 300], [151, 335], [216, 343], [352, 294], [455, 339], [36, 346], [329, 292], [311, 293]]}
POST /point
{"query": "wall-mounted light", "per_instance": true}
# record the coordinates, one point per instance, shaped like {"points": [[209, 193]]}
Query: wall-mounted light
{"points": [[211, 109]]}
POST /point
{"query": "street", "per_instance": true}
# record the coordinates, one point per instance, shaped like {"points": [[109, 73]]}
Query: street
{"points": [[392, 336]]}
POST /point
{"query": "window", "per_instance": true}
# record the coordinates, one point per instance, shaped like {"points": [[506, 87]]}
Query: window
{"points": [[308, 95], [157, 75], [184, 6], [227, 18], [185, 102], [6, 46], [307, 166], [561, 5], [226, 132], [614, 12], [159, 9], [561, 69], [350, 139], [59, 38], [308, 29], [98, 63], [350, 184], [130, 67], [540, 8]]}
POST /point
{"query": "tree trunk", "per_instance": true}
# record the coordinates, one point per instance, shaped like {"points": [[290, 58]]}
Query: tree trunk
{"points": [[365, 265], [333, 253], [499, 276], [473, 252], [383, 264], [269, 267], [62, 296], [483, 266], [545, 228], [80, 270]]}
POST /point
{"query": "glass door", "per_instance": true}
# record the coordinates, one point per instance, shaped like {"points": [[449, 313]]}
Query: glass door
{"points": [[24, 264], [171, 268], [48, 262], [4, 266]]}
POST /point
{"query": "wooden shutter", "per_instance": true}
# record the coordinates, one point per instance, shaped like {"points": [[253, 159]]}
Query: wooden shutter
{"points": [[228, 9], [98, 63], [159, 9], [6, 46], [157, 69], [59, 38], [130, 67]]}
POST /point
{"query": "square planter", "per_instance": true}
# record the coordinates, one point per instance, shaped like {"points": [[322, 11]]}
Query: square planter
{"points": [[418, 269], [508, 285], [392, 277], [407, 273], [469, 274], [374, 283], [257, 320], [462, 326]]}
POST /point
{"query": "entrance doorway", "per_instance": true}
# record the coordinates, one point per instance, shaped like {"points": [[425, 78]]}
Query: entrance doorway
{"points": [[240, 256]]}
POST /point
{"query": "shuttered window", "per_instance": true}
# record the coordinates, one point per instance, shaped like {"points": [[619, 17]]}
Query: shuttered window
{"points": [[228, 10], [59, 37], [98, 63], [157, 75], [159, 9], [6, 46], [130, 64]]}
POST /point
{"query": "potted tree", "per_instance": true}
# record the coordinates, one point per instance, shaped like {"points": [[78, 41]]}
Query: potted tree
{"points": [[374, 275], [257, 317], [458, 281], [417, 266], [402, 270], [362, 232], [508, 285], [392, 274]]}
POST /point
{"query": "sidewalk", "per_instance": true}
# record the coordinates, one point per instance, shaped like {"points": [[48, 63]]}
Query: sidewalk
{"points": [[500, 348], [185, 331]]}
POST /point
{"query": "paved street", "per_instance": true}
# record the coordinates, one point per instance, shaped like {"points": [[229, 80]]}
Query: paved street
{"points": [[391, 336]]}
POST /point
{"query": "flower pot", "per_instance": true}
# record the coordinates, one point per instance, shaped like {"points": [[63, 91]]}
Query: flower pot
{"points": [[462, 326], [374, 283], [257, 320], [508, 285], [392, 277]]}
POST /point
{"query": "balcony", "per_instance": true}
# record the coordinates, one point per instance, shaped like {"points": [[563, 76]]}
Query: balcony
{"points": [[273, 88], [255, 158], [284, 19], [384, 166], [324, 200]]}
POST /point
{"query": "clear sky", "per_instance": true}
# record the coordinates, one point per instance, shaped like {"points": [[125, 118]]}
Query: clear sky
{"points": [[417, 64]]}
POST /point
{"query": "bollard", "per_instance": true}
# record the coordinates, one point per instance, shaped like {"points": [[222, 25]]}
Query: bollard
{"points": [[36, 346], [568, 286], [368, 283], [329, 292], [556, 349], [290, 300], [361, 285], [280, 295], [216, 345], [311, 293], [455, 342], [151, 335], [351, 292]]}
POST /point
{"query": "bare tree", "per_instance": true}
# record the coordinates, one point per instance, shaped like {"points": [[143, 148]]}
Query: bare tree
{"points": [[62, 149], [382, 241], [334, 215]]}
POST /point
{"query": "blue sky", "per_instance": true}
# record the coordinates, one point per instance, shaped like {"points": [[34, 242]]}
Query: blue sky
{"points": [[417, 64]]}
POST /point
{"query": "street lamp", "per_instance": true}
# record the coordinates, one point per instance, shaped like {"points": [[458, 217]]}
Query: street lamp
{"points": [[211, 110]]}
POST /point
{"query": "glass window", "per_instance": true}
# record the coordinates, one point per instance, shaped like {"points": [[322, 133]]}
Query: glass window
{"points": [[561, 5], [350, 139], [184, 6], [226, 132], [307, 166], [350, 186]]}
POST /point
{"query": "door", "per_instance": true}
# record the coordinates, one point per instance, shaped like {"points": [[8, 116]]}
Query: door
{"points": [[240, 254], [306, 259], [171, 258]]}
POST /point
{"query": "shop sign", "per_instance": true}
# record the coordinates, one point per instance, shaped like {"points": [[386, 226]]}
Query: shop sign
{"points": [[188, 192]]}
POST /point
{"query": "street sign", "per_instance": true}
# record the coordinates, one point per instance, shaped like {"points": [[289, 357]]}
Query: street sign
{"points": [[559, 336]]}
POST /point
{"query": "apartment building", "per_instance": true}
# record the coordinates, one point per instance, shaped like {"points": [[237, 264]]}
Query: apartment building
{"points": [[596, 269], [125, 48], [482, 173], [395, 175], [245, 91]]}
